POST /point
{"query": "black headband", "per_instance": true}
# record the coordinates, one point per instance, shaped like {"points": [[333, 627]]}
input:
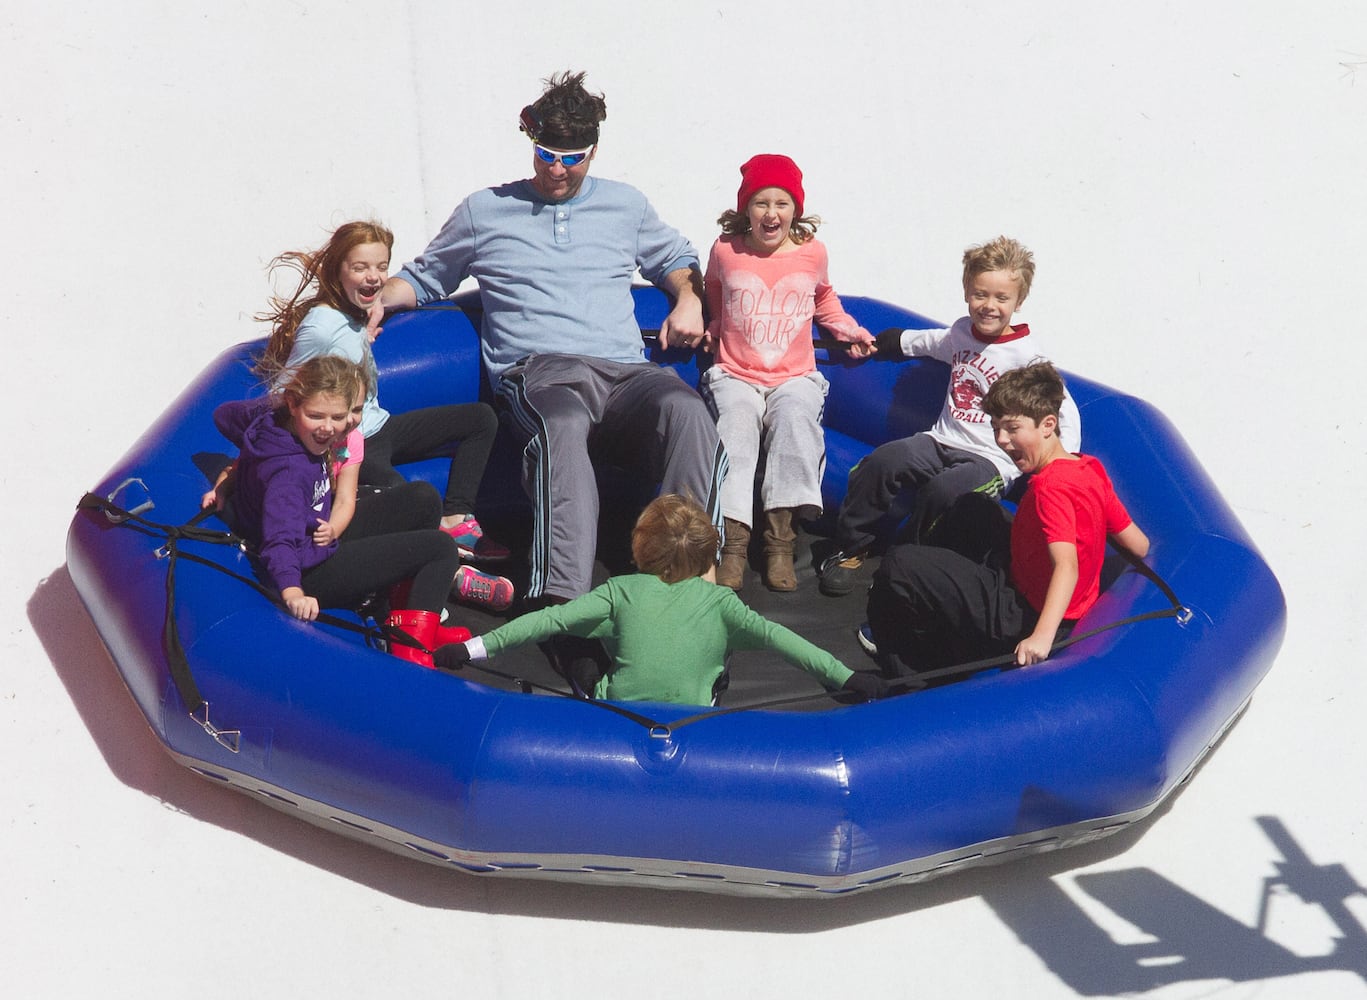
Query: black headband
{"points": [[530, 122]]}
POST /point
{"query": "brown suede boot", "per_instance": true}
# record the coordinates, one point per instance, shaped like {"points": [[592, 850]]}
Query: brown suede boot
{"points": [[735, 554], [779, 572]]}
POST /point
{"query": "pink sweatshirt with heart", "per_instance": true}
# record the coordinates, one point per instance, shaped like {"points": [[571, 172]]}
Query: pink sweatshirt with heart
{"points": [[761, 306]]}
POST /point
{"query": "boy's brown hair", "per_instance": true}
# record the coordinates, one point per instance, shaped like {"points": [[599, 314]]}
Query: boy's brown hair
{"points": [[674, 539], [1001, 254], [1034, 390]]}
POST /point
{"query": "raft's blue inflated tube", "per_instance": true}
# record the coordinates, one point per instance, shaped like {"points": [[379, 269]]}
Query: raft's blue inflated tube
{"points": [[816, 803]]}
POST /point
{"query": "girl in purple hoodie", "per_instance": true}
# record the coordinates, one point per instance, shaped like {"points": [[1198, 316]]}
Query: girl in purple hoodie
{"points": [[284, 491]]}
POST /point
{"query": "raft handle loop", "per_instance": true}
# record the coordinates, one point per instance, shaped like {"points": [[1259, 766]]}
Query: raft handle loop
{"points": [[117, 516], [176, 662], [1185, 615], [660, 731], [230, 739]]}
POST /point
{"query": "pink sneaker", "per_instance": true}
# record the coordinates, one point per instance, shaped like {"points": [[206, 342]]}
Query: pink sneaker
{"points": [[482, 589], [472, 544]]}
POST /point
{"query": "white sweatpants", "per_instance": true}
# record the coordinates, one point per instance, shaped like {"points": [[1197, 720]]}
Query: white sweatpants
{"points": [[782, 423]]}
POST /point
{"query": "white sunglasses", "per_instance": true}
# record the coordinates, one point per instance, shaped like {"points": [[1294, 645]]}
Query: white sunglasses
{"points": [[568, 157]]}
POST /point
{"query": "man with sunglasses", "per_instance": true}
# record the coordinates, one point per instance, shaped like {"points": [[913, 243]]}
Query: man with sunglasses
{"points": [[554, 256]]}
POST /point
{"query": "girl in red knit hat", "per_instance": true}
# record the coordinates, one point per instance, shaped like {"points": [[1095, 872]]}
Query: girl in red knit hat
{"points": [[766, 282]]}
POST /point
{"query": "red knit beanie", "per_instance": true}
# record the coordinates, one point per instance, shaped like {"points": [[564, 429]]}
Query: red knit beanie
{"points": [[769, 170]]}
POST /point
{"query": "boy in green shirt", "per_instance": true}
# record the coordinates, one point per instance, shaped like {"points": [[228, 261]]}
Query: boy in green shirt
{"points": [[668, 628]]}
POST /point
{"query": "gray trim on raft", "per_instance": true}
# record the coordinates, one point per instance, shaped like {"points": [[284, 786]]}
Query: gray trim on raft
{"points": [[654, 873]]}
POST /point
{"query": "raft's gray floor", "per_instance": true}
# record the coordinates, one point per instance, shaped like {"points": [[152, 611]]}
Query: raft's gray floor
{"points": [[756, 676]]}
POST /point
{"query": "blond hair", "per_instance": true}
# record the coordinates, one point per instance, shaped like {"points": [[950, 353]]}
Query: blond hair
{"points": [[735, 223], [1001, 254]]}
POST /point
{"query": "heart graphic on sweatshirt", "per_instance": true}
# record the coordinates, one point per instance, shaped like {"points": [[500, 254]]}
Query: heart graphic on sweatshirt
{"points": [[768, 318]]}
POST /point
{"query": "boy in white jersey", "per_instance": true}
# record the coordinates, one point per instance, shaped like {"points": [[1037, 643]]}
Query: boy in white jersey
{"points": [[958, 455]]}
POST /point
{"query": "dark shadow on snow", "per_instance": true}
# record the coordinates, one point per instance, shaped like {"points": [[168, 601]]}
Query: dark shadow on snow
{"points": [[1190, 939]]}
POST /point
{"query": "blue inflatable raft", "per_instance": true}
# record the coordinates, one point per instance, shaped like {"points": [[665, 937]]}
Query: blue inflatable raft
{"points": [[483, 778]]}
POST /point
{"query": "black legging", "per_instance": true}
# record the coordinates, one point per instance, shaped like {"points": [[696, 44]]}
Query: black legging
{"points": [[405, 507], [465, 431], [392, 537]]}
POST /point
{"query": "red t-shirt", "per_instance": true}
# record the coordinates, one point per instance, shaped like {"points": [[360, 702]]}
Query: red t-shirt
{"points": [[1066, 501]]}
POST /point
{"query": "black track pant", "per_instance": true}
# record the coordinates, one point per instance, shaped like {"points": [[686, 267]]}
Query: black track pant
{"points": [[938, 474], [950, 601]]}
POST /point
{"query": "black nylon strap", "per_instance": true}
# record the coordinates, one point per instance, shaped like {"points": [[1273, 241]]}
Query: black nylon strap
{"points": [[821, 343], [177, 662], [1007, 660], [170, 636], [191, 696]]}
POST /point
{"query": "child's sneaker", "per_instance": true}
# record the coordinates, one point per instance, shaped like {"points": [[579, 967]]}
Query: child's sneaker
{"points": [[838, 574], [865, 636], [482, 589], [472, 544]]}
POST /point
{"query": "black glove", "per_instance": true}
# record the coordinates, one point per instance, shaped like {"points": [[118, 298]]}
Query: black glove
{"points": [[870, 687], [889, 343], [452, 656]]}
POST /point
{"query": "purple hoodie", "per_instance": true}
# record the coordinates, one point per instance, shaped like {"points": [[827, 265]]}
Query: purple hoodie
{"points": [[281, 492]]}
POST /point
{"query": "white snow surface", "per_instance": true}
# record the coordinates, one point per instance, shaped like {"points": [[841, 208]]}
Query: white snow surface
{"points": [[1190, 178]]}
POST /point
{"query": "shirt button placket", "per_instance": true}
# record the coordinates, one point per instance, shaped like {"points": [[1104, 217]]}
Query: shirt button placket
{"points": [[562, 224]]}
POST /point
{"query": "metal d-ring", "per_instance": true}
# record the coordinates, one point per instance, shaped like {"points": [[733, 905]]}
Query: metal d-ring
{"points": [[141, 508], [229, 739]]}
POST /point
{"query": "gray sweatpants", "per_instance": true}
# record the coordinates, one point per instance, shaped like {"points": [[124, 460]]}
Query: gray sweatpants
{"points": [[572, 409], [783, 423]]}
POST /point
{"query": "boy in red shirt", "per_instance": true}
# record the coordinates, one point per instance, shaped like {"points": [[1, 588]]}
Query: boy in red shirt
{"points": [[985, 586]]}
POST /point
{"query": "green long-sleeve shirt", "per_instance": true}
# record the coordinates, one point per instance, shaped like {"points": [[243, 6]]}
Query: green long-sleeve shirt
{"points": [[668, 641]]}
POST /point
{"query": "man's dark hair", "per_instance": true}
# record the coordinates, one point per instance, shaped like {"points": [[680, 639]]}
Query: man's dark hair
{"points": [[565, 116]]}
